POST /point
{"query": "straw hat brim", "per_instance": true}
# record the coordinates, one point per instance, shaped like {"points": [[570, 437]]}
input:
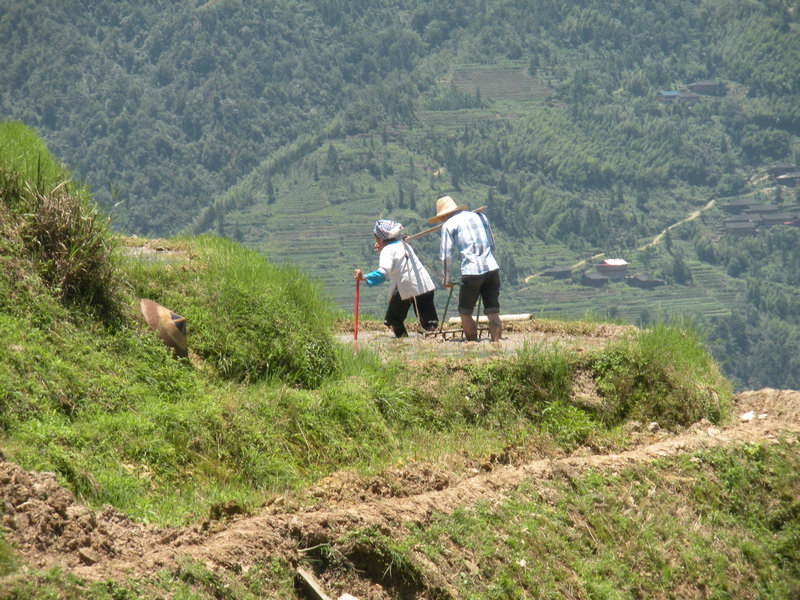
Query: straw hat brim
{"points": [[170, 326], [443, 215]]}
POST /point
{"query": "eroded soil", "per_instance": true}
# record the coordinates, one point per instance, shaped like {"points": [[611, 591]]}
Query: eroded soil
{"points": [[49, 528]]}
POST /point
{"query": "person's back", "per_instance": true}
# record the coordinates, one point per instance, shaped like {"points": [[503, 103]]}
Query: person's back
{"points": [[411, 283], [480, 273], [469, 232], [404, 269]]}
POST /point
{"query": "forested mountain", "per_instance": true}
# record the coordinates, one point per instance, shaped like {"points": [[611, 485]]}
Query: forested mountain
{"points": [[292, 125]]}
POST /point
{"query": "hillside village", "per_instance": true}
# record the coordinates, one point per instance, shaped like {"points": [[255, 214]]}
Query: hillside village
{"points": [[747, 216]]}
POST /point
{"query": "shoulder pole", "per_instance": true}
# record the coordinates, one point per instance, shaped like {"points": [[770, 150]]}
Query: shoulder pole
{"points": [[437, 227]]}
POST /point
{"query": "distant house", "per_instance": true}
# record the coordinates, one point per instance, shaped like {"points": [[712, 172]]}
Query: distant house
{"points": [[613, 268], [781, 168], [736, 206], [707, 87], [738, 219], [593, 279], [760, 209], [790, 179], [671, 96], [644, 281], [741, 228], [779, 218], [558, 272]]}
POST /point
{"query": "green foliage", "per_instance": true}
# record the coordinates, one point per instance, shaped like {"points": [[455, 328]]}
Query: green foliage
{"points": [[249, 318], [55, 226], [174, 106], [664, 374], [722, 522], [25, 158]]}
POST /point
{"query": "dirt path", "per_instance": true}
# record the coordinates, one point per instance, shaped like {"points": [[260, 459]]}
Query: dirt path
{"points": [[660, 237], [575, 336], [656, 240], [50, 529]]}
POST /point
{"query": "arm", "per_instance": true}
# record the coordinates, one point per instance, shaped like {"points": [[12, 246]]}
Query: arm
{"points": [[372, 278]]}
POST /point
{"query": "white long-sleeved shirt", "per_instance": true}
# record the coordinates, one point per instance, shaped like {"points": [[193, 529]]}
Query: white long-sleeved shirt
{"points": [[399, 264], [471, 234]]}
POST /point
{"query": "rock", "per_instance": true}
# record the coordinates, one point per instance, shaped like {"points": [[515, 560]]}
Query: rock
{"points": [[748, 416], [88, 556], [653, 427]]}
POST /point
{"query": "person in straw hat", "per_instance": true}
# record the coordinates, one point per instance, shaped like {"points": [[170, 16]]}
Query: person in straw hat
{"points": [[411, 283], [480, 273]]}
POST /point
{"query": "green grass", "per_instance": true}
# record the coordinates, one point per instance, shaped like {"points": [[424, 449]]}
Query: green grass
{"points": [[720, 524], [24, 153], [268, 402], [249, 318], [664, 374]]}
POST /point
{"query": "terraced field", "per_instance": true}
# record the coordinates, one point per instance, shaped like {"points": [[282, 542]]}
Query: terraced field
{"points": [[500, 82]]}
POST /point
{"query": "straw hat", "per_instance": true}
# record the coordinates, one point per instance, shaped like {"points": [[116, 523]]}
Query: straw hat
{"points": [[170, 326], [445, 206]]}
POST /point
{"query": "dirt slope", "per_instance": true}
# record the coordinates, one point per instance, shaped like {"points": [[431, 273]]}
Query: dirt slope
{"points": [[50, 529]]}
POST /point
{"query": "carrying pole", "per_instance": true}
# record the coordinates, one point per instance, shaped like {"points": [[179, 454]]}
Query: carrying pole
{"points": [[437, 227], [355, 319]]}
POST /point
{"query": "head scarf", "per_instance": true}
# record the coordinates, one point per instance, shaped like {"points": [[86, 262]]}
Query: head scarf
{"points": [[386, 229]]}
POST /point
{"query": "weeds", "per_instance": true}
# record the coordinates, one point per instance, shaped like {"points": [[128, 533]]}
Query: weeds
{"points": [[635, 533], [55, 226], [665, 374], [383, 557]]}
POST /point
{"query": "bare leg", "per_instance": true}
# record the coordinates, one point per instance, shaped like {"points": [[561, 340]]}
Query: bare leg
{"points": [[470, 328], [495, 326]]}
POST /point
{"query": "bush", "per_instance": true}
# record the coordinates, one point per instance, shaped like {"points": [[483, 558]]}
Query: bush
{"points": [[52, 224], [665, 373]]}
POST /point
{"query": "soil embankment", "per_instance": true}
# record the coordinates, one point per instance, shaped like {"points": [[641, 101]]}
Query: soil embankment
{"points": [[49, 528]]}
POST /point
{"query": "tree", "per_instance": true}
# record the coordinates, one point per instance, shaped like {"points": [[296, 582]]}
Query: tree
{"points": [[332, 159]]}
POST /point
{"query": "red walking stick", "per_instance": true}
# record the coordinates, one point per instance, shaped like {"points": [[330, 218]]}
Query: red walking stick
{"points": [[355, 326]]}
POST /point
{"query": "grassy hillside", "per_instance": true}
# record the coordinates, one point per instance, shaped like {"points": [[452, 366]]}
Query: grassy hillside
{"points": [[244, 119], [268, 403]]}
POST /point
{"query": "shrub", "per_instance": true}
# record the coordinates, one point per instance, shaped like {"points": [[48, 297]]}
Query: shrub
{"points": [[664, 373], [50, 223]]}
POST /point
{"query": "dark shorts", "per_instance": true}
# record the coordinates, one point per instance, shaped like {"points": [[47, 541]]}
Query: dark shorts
{"points": [[398, 310], [487, 286]]}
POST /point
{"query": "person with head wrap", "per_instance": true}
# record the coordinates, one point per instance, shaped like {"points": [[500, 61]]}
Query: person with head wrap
{"points": [[412, 285]]}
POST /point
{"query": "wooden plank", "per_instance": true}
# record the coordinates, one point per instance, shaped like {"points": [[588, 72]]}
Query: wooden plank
{"points": [[311, 585], [484, 319], [437, 227]]}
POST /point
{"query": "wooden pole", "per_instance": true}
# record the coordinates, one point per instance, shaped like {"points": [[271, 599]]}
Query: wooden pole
{"points": [[446, 306], [355, 319], [437, 227]]}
